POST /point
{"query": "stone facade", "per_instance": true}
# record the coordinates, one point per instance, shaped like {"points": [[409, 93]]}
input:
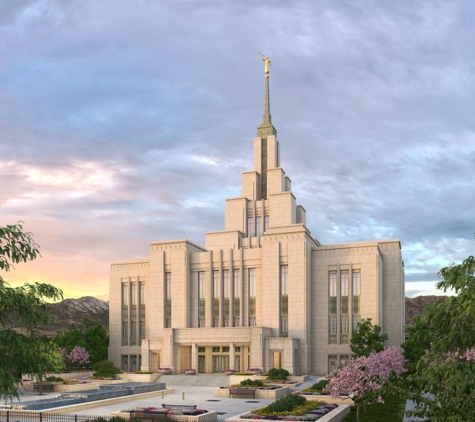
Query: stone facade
{"points": [[262, 293]]}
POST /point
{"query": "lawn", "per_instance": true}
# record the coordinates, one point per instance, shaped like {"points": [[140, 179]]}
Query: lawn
{"points": [[392, 410]]}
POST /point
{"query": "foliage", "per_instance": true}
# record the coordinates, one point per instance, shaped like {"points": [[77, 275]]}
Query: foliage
{"points": [[79, 356], [144, 372], [319, 386], [367, 338], [53, 378], [443, 384], [277, 374], [392, 410], [251, 383], [22, 310], [365, 378], [105, 369], [90, 335], [287, 403], [47, 358]]}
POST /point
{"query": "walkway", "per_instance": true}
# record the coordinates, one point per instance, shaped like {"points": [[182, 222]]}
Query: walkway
{"points": [[189, 389]]}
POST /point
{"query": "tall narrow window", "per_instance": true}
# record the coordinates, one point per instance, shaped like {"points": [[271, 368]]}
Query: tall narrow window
{"points": [[356, 277], [237, 297], [125, 314], [168, 300], [215, 298], [142, 310], [258, 226], [201, 299], [252, 297], [133, 314], [344, 288], [266, 223], [284, 300], [332, 306], [249, 227], [226, 298]]}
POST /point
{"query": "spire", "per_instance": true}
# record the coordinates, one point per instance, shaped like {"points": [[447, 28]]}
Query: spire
{"points": [[266, 128]]}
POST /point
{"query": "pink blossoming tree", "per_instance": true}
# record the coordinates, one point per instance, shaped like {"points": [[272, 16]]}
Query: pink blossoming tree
{"points": [[363, 379]]}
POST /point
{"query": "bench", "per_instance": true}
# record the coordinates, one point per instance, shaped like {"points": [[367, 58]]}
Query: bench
{"points": [[47, 388], [248, 392]]}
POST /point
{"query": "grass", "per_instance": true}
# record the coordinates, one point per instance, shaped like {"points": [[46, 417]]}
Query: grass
{"points": [[392, 410]]}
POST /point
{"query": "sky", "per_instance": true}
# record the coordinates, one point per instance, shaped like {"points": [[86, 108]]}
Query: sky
{"points": [[127, 122]]}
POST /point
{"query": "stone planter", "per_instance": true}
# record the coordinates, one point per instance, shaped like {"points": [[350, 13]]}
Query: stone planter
{"points": [[141, 377], [336, 415], [190, 371], [230, 372], [164, 371], [205, 417], [329, 399], [259, 394]]}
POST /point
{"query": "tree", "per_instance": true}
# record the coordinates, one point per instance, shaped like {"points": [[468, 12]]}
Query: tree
{"points": [[443, 384], [90, 335], [365, 379], [367, 338], [22, 309], [47, 359]]}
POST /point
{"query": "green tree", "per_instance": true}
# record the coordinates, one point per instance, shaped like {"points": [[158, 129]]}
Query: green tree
{"points": [[22, 310], [443, 384], [47, 359], [367, 338], [88, 334]]}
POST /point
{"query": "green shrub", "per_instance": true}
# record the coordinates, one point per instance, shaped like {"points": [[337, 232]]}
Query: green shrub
{"points": [[251, 383], [285, 404], [144, 372], [319, 386], [105, 369], [277, 374], [52, 378]]}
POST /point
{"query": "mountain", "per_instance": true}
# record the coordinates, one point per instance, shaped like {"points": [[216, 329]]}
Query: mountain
{"points": [[72, 311], [415, 305]]}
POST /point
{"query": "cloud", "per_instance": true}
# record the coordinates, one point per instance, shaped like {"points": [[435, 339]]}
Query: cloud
{"points": [[123, 122]]}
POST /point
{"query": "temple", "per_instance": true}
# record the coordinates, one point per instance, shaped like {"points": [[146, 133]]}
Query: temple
{"points": [[262, 293]]}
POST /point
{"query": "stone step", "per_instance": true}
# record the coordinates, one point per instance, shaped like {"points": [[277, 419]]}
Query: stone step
{"points": [[209, 380]]}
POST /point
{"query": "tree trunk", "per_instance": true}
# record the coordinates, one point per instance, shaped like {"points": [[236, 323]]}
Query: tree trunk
{"points": [[357, 413]]}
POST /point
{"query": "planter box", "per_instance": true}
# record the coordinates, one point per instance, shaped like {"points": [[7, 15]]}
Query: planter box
{"points": [[72, 375], [205, 417], [140, 377], [336, 415], [70, 388], [260, 394], [297, 378], [329, 399], [193, 372], [236, 379]]}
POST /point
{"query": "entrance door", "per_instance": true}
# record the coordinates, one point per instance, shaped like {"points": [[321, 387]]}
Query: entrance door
{"points": [[220, 363], [201, 364]]}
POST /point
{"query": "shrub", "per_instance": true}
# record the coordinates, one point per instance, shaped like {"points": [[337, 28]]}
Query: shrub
{"points": [[251, 383], [105, 368], [144, 372], [319, 386], [277, 374], [52, 378], [285, 404]]}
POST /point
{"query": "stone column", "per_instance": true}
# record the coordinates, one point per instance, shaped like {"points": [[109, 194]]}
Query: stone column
{"points": [[232, 356]]}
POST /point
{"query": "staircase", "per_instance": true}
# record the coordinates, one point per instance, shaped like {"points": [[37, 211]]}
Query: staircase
{"points": [[209, 380]]}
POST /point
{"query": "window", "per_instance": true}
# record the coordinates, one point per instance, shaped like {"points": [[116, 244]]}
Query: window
{"points": [[258, 226], [133, 294], [356, 277], [125, 333], [332, 307], [237, 296], [284, 301], [226, 298], [201, 299], [249, 227], [168, 300], [216, 299], [344, 301], [125, 294], [252, 297], [266, 223]]}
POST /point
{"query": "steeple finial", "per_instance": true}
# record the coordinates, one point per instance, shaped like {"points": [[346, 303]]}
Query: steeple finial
{"points": [[266, 128]]}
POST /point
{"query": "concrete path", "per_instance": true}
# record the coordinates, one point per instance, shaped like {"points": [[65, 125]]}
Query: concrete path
{"points": [[189, 389]]}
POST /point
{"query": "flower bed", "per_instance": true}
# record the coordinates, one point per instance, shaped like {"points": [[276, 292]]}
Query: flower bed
{"points": [[312, 415], [179, 412], [268, 392]]}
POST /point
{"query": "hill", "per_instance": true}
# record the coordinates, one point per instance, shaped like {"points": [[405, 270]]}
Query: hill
{"points": [[415, 305], [72, 311]]}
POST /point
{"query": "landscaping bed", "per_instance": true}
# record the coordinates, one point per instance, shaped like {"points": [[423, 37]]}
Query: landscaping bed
{"points": [[270, 392], [180, 412]]}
